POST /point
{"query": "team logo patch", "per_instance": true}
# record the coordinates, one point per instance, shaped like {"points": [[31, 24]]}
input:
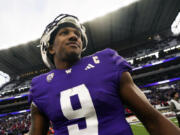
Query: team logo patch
{"points": [[68, 71], [50, 77]]}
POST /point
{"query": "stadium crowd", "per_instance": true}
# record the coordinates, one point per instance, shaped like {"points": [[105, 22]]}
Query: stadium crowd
{"points": [[14, 89], [18, 125], [15, 125], [162, 95]]}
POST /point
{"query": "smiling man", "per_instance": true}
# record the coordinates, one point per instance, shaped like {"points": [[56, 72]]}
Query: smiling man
{"points": [[85, 96]]}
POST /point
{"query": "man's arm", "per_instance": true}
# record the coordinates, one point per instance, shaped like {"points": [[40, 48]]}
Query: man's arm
{"points": [[153, 120], [39, 123]]}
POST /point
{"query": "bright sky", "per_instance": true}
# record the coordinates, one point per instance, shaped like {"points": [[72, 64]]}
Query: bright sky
{"points": [[22, 21]]}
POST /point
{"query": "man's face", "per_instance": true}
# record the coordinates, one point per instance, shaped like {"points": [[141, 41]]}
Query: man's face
{"points": [[176, 95], [67, 44]]}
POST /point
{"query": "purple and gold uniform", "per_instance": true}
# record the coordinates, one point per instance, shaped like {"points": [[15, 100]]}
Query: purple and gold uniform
{"points": [[84, 99]]}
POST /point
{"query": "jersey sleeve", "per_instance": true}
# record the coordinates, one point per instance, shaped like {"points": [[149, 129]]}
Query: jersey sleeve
{"points": [[34, 93], [120, 64], [30, 96]]}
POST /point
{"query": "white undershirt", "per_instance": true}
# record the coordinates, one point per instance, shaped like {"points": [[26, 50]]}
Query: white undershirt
{"points": [[177, 104]]}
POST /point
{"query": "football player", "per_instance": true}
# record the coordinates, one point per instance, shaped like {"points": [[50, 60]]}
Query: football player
{"points": [[85, 96]]}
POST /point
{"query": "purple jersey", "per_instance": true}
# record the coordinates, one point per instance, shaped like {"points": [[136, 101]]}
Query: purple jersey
{"points": [[84, 99]]}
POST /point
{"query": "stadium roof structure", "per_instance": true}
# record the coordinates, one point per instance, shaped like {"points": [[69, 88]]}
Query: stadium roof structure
{"points": [[121, 29]]}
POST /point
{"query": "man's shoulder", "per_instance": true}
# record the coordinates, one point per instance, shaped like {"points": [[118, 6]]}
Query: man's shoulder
{"points": [[172, 102], [110, 54], [41, 77], [104, 54], [107, 51]]}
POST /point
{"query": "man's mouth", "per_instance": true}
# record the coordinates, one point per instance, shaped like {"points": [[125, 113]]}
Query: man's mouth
{"points": [[72, 44]]}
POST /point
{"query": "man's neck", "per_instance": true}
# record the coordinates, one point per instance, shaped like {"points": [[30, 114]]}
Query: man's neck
{"points": [[66, 63], [62, 65]]}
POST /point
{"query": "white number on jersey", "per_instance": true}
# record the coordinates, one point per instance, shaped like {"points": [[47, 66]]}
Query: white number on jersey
{"points": [[86, 111]]}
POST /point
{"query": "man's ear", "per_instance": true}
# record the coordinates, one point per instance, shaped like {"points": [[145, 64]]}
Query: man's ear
{"points": [[51, 50]]}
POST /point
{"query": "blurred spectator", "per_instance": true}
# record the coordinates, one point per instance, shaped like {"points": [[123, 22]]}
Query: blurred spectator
{"points": [[175, 105]]}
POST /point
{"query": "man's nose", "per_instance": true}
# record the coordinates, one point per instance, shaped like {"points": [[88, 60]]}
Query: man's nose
{"points": [[73, 37]]}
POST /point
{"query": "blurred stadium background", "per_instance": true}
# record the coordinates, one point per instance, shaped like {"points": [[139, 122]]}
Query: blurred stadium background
{"points": [[145, 33]]}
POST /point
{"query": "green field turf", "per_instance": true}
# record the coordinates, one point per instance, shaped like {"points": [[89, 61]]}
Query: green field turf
{"points": [[138, 129]]}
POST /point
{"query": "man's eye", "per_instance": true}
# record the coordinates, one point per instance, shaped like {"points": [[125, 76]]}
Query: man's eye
{"points": [[78, 33]]}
